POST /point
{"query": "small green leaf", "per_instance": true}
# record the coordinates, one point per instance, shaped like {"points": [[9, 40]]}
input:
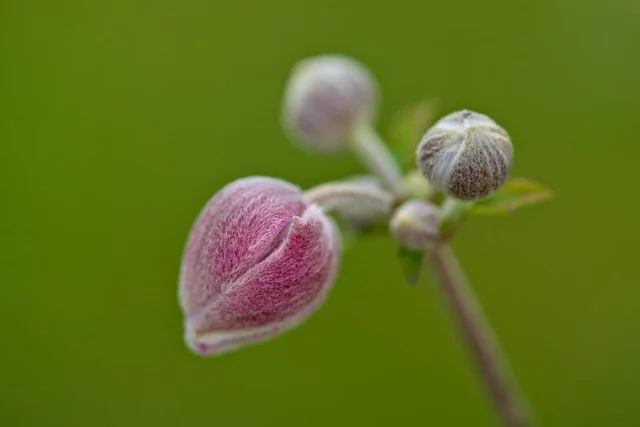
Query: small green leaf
{"points": [[411, 264], [516, 193], [407, 128]]}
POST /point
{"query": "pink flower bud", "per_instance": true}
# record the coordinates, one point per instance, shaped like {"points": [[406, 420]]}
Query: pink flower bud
{"points": [[258, 261]]}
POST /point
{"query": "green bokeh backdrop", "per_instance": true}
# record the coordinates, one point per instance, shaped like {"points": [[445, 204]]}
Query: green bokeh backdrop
{"points": [[119, 119]]}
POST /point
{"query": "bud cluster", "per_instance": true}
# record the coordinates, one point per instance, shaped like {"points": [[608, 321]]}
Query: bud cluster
{"points": [[263, 254]]}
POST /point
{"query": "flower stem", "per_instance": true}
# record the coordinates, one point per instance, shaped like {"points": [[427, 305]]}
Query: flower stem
{"points": [[373, 152], [453, 213], [481, 341], [339, 194]]}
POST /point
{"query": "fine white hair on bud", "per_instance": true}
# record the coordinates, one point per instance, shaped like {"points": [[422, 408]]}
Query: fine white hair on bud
{"points": [[466, 155], [325, 97], [415, 224]]}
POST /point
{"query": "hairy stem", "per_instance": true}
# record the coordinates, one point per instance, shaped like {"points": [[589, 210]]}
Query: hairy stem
{"points": [[481, 341], [373, 152], [453, 213], [339, 194]]}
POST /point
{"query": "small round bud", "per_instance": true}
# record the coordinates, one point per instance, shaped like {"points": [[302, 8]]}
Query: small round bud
{"points": [[325, 97], [415, 224], [466, 155]]}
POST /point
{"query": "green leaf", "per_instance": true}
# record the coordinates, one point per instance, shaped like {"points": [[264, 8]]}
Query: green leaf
{"points": [[516, 193], [407, 128], [411, 264]]}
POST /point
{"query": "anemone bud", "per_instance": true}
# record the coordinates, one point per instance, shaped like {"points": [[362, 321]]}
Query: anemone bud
{"points": [[466, 155], [258, 260], [325, 97]]}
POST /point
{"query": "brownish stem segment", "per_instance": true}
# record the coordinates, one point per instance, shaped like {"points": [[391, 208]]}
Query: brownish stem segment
{"points": [[481, 341]]}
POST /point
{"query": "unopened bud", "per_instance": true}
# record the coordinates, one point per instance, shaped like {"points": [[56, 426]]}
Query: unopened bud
{"points": [[326, 96], [466, 155], [258, 261]]}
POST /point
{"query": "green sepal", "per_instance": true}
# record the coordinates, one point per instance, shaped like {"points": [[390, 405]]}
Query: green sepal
{"points": [[516, 193], [411, 263]]}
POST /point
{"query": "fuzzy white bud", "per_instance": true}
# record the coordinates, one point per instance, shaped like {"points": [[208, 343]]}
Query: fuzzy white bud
{"points": [[466, 155], [326, 96]]}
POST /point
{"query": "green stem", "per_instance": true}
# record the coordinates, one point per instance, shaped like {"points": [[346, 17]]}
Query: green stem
{"points": [[454, 212], [480, 340], [373, 152]]}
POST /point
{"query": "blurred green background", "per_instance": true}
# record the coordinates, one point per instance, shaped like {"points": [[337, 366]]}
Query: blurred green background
{"points": [[119, 119]]}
